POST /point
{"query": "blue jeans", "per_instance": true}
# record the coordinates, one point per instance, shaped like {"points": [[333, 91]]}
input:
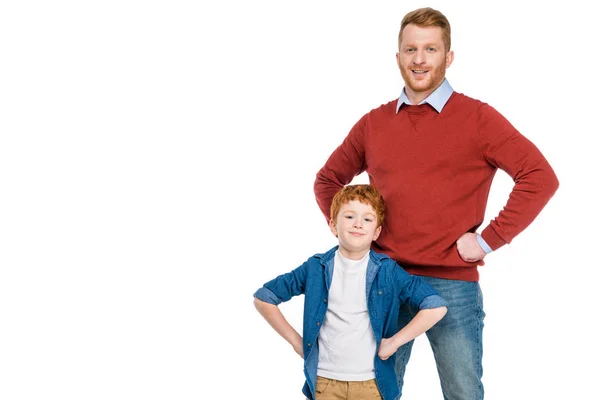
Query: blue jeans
{"points": [[456, 340]]}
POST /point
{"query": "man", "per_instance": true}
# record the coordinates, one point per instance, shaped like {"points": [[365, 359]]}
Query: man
{"points": [[433, 154]]}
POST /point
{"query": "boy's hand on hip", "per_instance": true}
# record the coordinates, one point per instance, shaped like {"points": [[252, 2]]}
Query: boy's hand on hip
{"points": [[386, 349], [298, 349], [468, 248]]}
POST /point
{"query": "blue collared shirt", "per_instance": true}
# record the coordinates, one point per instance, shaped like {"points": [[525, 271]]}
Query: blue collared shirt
{"points": [[438, 99], [387, 287]]}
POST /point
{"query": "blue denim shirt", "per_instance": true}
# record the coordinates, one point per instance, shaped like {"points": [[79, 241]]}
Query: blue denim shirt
{"points": [[387, 287]]}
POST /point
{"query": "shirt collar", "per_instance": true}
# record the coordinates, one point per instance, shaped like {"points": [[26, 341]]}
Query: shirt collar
{"points": [[437, 99]]}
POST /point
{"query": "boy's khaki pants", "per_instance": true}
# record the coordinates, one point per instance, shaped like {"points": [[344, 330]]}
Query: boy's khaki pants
{"points": [[330, 389]]}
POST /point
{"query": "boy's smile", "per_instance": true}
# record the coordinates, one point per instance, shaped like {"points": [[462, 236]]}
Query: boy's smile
{"points": [[356, 227]]}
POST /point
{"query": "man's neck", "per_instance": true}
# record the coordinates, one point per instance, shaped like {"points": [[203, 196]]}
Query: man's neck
{"points": [[417, 97]]}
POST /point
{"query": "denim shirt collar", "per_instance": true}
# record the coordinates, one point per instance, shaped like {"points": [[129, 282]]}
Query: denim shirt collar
{"points": [[437, 99], [327, 261]]}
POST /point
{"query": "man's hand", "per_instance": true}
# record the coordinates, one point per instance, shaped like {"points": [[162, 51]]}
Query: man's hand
{"points": [[468, 248], [386, 349]]}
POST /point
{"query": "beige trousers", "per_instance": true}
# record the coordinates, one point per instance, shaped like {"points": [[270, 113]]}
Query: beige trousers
{"points": [[330, 389]]}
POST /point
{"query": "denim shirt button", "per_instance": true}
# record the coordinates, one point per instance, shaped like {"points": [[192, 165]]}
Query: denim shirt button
{"points": [[318, 323], [324, 300], [380, 292], [308, 345]]}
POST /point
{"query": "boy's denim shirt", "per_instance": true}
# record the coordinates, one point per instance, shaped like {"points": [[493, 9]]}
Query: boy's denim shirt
{"points": [[388, 286]]}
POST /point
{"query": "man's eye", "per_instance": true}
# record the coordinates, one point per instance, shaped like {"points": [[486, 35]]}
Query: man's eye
{"points": [[431, 49], [410, 50]]}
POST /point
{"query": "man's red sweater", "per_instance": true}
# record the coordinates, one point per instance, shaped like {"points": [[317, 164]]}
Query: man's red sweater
{"points": [[435, 172]]}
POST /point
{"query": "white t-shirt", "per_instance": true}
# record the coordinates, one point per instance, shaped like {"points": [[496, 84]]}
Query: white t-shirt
{"points": [[347, 345]]}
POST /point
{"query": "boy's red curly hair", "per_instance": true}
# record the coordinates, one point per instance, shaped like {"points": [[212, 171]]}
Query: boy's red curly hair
{"points": [[366, 194]]}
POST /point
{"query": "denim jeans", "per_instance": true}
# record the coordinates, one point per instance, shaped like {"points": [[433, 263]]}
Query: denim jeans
{"points": [[456, 340]]}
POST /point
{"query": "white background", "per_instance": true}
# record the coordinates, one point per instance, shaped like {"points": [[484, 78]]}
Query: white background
{"points": [[156, 167]]}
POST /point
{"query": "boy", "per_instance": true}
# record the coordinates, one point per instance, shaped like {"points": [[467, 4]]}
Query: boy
{"points": [[351, 303]]}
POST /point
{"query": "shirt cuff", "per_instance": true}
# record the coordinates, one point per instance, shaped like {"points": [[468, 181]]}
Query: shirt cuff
{"points": [[267, 296], [433, 301], [483, 244]]}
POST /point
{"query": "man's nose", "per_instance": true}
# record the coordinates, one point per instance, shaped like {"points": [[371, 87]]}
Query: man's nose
{"points": [[419, 57]]}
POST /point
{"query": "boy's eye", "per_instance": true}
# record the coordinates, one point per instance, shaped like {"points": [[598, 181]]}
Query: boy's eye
{"points": [[368, 220], [349, 217]]}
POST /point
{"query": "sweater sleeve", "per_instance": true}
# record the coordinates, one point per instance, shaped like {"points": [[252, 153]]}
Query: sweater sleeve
{"points": [[346, 162], [535, 181]]}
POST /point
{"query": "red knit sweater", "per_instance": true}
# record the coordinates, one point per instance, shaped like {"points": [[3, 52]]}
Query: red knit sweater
{"points": [[435, 172]]}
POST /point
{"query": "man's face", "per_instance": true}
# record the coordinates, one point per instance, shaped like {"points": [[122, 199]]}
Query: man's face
{"points": [[422, 59]]}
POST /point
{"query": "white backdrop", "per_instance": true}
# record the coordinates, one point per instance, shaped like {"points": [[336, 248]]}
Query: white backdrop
{"points": [[156, 167]]}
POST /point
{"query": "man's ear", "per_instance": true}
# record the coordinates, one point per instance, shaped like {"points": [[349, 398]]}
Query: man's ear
{"points": [[333, 227], [377, 232], [449, 58]]}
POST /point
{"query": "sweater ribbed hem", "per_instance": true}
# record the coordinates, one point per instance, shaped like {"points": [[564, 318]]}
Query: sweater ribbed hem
{"points": [[469, 274]]}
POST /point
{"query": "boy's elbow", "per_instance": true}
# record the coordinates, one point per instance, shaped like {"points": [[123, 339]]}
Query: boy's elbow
{"points": [[441, 312], [258, 303], [262, 305]]}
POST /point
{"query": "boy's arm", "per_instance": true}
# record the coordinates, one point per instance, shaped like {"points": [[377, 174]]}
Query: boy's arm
{"points": [[272, 314], [278, 290], [424, 320], [419, 295]]}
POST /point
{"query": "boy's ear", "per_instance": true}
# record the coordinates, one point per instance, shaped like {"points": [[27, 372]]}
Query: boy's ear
{"points": [[333, 227], [377, 232]]}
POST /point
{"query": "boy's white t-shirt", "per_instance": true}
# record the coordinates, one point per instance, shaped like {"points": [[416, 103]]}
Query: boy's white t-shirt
{"points": [[347, 345]]}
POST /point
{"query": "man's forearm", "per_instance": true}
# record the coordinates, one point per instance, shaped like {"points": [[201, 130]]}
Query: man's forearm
{"points": [[325, 189]]}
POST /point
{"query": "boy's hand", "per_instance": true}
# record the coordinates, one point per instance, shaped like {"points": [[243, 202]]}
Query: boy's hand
{"points": [[386, 349], [298, 349]]}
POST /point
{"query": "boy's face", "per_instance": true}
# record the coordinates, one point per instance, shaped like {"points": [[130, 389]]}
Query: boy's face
{"points": [[356, 227]]}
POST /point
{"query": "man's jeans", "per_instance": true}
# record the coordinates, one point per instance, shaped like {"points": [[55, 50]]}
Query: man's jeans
{"points": [[455, 340]]}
